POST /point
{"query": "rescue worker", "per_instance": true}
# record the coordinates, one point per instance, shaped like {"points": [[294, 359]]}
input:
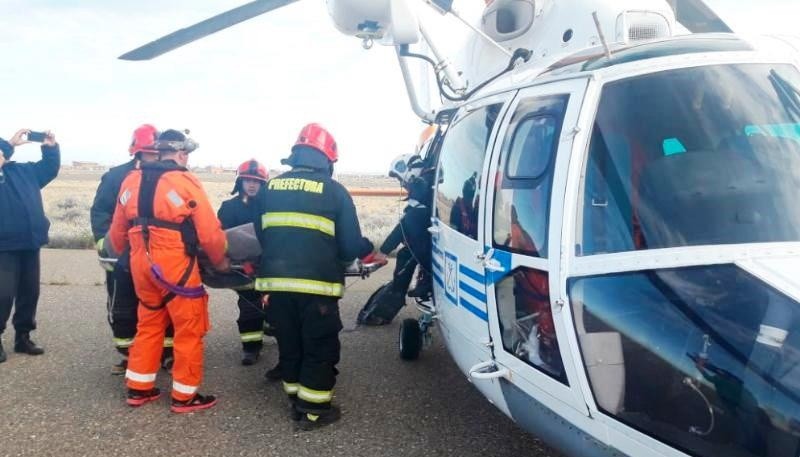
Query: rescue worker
{"points": [[122, 301], [412, 232], [164, 216], [240, 210], [310, 230], [23, 231]]}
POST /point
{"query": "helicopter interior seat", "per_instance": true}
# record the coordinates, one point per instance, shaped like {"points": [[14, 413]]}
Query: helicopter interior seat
{"points": [[604, 360], [703, 197], [756, 144]]}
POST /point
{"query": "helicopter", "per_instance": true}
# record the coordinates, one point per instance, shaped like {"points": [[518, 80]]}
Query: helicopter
{"points": [[616, 238]]}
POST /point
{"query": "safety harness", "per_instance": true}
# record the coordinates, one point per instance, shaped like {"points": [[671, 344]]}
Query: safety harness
{"points": [[147, 219]]}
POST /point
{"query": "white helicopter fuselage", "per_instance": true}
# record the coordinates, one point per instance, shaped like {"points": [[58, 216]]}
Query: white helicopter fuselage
{"points": [[615, 245], [587, 378], [616, 235]]}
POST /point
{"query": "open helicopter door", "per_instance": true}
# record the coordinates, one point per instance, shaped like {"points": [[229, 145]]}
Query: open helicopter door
{"points": [[459, 276], [525, 289]]}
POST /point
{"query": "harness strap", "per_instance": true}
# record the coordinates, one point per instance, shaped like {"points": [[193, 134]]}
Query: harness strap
{"points": [[147, 219], [153, 222]]}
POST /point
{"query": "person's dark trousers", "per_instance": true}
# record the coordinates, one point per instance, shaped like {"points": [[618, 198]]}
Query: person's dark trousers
{"points": [[19, 289], [122, 310], [122, 304], [403, 270], [251, 320], [307, 330]]}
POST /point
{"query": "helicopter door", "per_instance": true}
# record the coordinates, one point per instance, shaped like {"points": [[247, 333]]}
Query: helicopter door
{"points": [[459, 276], [523, 228]]}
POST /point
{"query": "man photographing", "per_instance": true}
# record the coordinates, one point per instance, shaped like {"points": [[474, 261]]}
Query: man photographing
{"points": [[23, 231]]}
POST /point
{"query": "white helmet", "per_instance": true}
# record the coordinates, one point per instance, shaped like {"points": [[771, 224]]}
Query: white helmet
{"points": [[406, 167]]}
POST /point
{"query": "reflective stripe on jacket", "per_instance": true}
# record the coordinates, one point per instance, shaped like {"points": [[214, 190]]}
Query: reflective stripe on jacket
{"points": [[309, 231]]}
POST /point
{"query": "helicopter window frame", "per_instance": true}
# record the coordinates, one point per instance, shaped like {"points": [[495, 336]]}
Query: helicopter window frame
{"points": [[470, 217], [554, 106], [550, 153]]}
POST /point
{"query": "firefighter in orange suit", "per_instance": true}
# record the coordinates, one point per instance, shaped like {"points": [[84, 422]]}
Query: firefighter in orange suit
{"points": [[164, 214]]}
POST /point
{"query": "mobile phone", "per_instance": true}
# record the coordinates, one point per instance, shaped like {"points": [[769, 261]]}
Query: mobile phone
{"points": [[37, 137]]}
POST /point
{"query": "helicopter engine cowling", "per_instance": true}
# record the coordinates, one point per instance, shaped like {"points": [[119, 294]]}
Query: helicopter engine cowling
{"points": [[390, 22]]}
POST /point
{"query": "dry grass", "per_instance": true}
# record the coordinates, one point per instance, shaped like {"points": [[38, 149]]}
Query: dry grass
{"points": [[67, 201]]}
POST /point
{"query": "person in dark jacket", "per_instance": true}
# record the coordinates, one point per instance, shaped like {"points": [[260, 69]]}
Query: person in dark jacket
{"points": [[412, 233], [310, 231], [23, 231], [240, 210], [122, 302]]}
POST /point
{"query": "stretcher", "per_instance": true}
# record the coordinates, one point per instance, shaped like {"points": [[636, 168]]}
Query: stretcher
{"points": [[244, 251]]}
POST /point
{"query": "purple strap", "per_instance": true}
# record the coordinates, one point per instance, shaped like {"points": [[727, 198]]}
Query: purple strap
{"points": [[188, 292]]}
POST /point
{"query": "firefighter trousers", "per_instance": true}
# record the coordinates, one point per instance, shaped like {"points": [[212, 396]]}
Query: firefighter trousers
{"points": [[307, 329], [123, 304], [190, 319], [251, 320]]}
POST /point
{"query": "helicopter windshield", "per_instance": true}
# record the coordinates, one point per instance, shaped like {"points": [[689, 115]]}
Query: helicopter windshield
{"points": [[696, 156]]}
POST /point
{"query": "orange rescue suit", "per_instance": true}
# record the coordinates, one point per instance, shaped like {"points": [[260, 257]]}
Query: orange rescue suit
{"points": [[178, 196]]}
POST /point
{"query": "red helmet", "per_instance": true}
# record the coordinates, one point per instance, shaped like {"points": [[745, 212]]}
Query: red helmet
{"points": [[252, 169], [144, 139], [315, 136]]}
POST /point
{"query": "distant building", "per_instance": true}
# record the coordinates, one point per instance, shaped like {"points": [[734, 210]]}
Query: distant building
{"points": [[86, 166], [215, 170]]}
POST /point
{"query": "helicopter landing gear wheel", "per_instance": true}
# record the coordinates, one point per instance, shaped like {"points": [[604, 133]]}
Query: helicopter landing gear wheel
{"points": [[410, 339]]}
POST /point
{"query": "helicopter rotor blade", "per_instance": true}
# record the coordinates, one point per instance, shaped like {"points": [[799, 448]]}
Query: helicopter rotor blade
{"points": [[202, 29], [696, 16]]}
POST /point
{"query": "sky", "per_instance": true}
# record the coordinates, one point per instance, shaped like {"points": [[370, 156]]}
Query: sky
{"points": [[244, 92]]}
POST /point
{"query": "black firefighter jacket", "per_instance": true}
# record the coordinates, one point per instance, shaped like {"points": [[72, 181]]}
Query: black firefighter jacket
{"points": [[105, 200], [238, 211], [309, 232]]}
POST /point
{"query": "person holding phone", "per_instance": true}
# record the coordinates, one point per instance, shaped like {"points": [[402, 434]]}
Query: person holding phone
{"points": [[23, 231]]}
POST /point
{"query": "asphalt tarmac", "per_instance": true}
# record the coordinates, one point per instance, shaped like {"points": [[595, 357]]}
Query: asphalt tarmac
{"points": [[66, 402]]}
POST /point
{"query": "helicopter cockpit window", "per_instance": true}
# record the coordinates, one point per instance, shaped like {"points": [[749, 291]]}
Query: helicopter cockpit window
{"points": [[522, 199], [706, 359], [462, 155], [526, 321], [697, 156]]}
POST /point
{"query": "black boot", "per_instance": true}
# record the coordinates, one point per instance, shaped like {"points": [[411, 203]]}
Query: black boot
{"points": [[167, 359], [250, 356], [309, 422], [424, 287], [274, 374], [2, 353], [24, 345]]}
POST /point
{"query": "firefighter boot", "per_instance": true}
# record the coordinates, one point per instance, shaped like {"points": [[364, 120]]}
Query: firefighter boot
{"points": [[309, 422], [274, 374], [2, 353], [24, 345], [167, 359], [294, 414], [250, 356], [118, 369], [423, 288], [196, 403]]}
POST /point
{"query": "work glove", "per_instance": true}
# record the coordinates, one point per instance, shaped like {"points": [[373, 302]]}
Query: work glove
{"points": [[375, 257]]}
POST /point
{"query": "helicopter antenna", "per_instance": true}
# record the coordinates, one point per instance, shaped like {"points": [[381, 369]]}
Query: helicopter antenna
{"points": [[602, 37]]}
